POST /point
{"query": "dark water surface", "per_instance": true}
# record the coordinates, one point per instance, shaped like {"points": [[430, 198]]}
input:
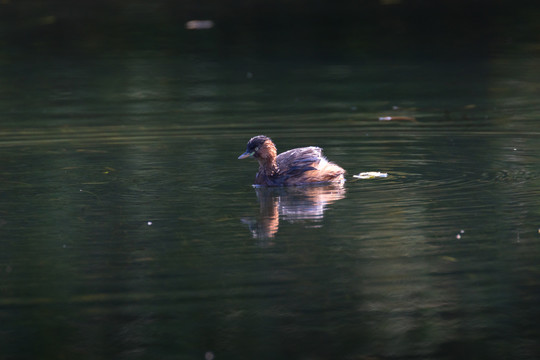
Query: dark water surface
{"points": [[129, 229]]}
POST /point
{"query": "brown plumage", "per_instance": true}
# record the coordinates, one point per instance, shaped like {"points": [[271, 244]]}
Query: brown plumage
{"points": [[301, 166]]}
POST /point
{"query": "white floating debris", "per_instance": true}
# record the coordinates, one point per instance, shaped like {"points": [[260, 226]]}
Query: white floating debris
{"points": [[394, 118], [199, 24], [371, 175], [149, 223]]}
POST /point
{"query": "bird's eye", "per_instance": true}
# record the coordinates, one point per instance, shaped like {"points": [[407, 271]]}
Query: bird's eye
{"points": [[256, 149]]}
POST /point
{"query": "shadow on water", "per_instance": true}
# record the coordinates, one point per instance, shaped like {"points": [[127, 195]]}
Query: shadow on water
{"points": [[301, 204]]}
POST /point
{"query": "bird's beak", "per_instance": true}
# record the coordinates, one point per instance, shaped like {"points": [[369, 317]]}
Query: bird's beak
{"points": [[245, 155]]}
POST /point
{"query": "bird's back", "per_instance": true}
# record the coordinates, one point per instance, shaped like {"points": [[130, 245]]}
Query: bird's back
{"points": [[307, 165], [299, 158]]}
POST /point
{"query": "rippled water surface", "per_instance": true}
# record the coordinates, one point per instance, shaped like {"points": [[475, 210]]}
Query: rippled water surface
{"points": [[129, 229]]}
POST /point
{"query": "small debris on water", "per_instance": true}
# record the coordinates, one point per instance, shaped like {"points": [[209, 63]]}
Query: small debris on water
{"points": [[396, 118], [199, 24], [370, 175], [449, 258], [149, 223], [108, 170]]}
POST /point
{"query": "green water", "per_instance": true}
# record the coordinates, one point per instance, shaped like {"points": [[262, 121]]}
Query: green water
{"points": [[129, 229]]}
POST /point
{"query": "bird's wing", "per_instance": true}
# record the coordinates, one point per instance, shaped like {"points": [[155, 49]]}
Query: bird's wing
{"points": [[296, 161]]}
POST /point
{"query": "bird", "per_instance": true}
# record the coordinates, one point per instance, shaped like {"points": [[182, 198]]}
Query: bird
{"points": [[295, 167]]}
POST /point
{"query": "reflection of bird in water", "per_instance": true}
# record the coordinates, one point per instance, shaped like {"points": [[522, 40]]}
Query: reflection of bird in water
{"points": [[293, 205], [299, 166]]}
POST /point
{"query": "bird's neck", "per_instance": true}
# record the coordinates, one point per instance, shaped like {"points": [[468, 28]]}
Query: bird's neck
{"points": [[268, 166], [267, 159]]}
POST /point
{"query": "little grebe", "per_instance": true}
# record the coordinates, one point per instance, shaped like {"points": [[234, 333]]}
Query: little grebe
{"points": [[299, 166]]}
